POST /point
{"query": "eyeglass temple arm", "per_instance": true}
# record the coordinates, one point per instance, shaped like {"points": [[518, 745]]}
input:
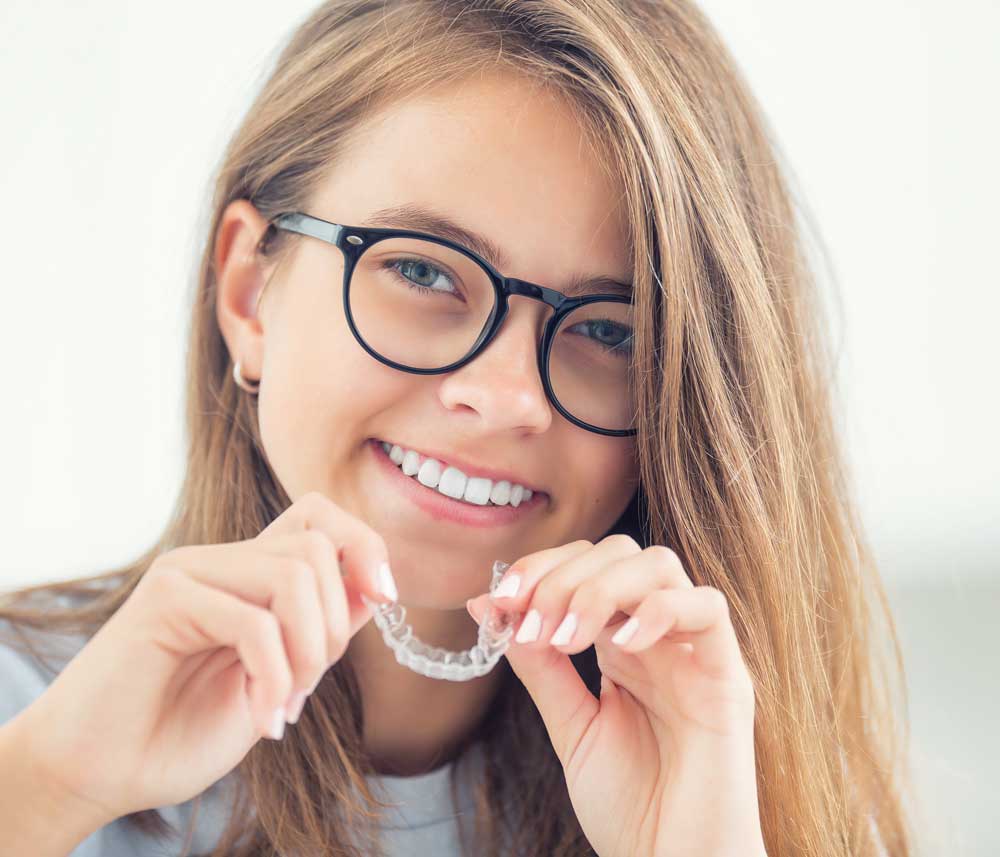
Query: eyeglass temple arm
{"points": [[304, 225]]}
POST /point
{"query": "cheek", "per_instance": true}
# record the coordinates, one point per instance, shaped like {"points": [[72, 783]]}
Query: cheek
{"points": [[321, 395], [607, 477]]}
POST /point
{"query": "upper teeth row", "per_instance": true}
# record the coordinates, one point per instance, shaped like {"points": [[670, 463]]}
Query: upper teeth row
{"points": [[453, 482]]}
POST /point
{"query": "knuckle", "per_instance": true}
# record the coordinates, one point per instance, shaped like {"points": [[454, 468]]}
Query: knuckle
{"points": [[295, 573], [317, 545], [668, 563], [265, 625], [173, 557], [621, 540], [664, 555], [658, 600], [548, 596], [315, 500], [593, 593], [320, 507], [161, 578], [315, 507]]}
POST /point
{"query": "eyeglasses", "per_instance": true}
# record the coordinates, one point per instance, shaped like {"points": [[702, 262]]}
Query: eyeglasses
{"points": [[424, 304]]}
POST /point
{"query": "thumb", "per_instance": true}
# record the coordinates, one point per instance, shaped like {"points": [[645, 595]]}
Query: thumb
{"points": [[565, 703]]}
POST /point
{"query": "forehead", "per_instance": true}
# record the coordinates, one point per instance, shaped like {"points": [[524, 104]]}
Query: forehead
{"points": [[499, 157]]}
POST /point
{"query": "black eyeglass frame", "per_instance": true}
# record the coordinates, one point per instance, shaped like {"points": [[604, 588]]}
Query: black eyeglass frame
{"points": [[355, 240]]}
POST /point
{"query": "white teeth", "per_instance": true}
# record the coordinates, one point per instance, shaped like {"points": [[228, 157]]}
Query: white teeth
{"points": [[411, 463], [500, 493], [429, 473], [453, 482], [477, 490]]}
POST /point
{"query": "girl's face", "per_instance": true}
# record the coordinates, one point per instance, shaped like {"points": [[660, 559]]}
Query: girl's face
{"points": [[503, 159]]}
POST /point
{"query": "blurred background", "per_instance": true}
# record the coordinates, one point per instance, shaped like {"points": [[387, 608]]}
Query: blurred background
{"points": [[116, 113]]}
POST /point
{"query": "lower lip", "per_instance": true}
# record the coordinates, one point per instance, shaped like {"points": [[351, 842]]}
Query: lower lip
{"points": [[443, 508]]}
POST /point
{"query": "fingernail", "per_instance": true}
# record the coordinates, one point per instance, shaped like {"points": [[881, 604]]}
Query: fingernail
{"points": [[294, 705], [625, 632], [530, 627], [277, 724], [564, 633], [386, 585], [508, 586]]}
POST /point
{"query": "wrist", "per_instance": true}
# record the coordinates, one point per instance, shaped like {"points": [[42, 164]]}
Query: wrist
{"points": [[37, 815]]}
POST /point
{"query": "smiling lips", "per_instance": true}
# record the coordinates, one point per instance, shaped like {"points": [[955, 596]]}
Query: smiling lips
{"points": [[452, 482], [441, 508]]}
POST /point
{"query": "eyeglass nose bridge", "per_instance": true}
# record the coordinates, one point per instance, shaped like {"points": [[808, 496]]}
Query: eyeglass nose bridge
{"points": [[512, 286], [561, 305]]}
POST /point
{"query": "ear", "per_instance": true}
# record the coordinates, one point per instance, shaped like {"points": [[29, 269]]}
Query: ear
{"points": [[240, 276]]}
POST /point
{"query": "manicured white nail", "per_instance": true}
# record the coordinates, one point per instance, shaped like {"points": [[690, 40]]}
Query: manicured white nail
{"points": [[625, 632], [278, 723], [564, 633], [508, 586], [386, 585], [530, 627]]}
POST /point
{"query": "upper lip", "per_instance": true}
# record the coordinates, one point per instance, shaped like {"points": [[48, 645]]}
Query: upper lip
{"points": [[469, 469]]}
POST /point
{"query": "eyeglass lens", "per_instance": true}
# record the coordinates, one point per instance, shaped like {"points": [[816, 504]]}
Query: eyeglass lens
{"points": [[425, 305]]}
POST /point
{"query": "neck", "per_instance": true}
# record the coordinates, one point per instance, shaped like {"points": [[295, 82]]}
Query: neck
{"points": [[414, 724]]}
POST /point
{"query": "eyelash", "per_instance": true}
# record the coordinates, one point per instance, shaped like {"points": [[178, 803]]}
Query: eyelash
{"points": [[392, 264]]}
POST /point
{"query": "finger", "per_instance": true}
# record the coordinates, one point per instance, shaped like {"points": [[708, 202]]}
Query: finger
{"points": [[699, 616], [529, 569], [581, 610], [202, 616], [515, 589], [563, 700], [285, 585], [342, 619], [545, 603], [361, 551]]}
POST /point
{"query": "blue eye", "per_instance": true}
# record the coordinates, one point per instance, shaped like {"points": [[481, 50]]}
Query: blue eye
{"points": [[422, 270], [612, 337]]}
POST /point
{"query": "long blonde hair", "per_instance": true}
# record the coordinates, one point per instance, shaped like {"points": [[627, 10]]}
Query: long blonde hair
{"points": [[741, 469]]}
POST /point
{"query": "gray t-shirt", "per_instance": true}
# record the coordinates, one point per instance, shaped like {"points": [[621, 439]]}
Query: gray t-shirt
{"points": [[423, 822]]}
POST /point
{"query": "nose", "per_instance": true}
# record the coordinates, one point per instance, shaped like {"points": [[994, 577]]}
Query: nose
{"points": [[502, 383]]}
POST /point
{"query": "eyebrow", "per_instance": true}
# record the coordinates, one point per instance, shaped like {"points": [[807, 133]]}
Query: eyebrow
{"points": [[420, 218]]}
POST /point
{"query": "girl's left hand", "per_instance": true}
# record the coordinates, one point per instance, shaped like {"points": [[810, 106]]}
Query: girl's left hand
{"points": [[662, 764]]}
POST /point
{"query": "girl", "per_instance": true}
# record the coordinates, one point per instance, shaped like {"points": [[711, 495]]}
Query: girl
{"points": [[484, 280]]}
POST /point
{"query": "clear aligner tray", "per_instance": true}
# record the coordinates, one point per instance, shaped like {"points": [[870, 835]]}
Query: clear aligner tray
{"points": [[495, 632]]}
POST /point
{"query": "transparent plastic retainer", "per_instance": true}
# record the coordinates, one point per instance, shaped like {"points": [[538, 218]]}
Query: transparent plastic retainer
{"points": [[495, 632]]}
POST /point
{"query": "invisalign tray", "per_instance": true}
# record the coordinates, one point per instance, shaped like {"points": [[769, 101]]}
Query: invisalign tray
{"points": [[495, 632]]}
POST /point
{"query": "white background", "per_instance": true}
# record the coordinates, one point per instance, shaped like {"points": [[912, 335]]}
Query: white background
{"points": [[115, 114]]}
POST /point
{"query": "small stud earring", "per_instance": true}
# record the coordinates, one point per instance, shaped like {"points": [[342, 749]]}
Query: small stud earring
{"points": [[241, 381]]}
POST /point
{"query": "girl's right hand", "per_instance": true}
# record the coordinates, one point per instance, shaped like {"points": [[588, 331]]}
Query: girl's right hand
{"points": [[188, 674]]}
